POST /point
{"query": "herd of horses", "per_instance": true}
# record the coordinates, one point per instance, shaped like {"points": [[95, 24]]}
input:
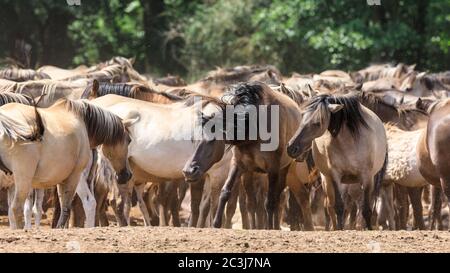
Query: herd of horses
{"points": [[355, 149]]}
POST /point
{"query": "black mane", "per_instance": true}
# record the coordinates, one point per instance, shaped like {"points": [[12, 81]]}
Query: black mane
{"points": [[350, 115]]}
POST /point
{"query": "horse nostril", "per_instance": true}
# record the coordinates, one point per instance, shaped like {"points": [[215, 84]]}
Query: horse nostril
{"points": [[293, 150], [190, 171]]}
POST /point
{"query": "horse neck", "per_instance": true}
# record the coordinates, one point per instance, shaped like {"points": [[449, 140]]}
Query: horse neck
{"points": [[153, 97]]}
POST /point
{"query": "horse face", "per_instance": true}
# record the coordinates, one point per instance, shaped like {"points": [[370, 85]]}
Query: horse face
{"points": [[118, 156], [206, 154], [313, 125]]}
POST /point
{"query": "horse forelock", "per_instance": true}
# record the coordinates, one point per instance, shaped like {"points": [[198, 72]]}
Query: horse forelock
{"points": [[249, 93], [350, 116], [103, 127]]}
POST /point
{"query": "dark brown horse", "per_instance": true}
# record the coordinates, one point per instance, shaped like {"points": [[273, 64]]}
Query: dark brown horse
{"points": [[248, 155]]}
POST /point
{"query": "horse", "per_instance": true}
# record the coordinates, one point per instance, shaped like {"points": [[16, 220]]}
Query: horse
{"points": [[57, 73], [172, 130], [348, 143], [403, 169], [53, 90], [22, 75], [433, 158], [131, 90], [378, 71], [405, 117], [44, 147], [250, 155]]}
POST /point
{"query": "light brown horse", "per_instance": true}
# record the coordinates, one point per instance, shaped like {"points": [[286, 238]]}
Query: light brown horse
{"points": [[46, 147], [248, 155], [349, 146]]}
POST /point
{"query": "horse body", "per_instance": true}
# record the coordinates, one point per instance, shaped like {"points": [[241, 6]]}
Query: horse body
{"points": [[433, 157], [48, 147]]}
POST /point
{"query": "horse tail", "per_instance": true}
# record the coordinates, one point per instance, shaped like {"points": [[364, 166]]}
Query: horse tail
{"points": [[378, 179], [39, 128]]}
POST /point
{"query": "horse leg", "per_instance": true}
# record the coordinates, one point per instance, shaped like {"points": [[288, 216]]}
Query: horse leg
{"points": [[86, 195], [328, 187], [415, 196], [401, 200], [87, 198], [205, 205], [196, 198], [261, 216], [139, 188], [231, 205], [293, 212], [28, 210], [11, 219], [174, 204], [233, 175], [390, 206], [445, 184], [249, 186], [21, 192], [353, 216], [243, 207], [367, 201], [435, 208], [66, 192], [37, 207], [277, 182], [302, 197]]}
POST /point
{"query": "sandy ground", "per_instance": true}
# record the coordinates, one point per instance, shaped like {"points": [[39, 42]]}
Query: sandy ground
{"points": [[169, 239]]}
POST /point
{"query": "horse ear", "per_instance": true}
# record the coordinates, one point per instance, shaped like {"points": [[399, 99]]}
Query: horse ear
{"points": [[428, 83], [335, 107], [130, 121], [132, 60], [95, 87], [419, 103], [412, 67]]}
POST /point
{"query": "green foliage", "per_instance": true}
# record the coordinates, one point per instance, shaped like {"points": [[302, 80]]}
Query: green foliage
{"points": [[195, 36], [114, 29]]}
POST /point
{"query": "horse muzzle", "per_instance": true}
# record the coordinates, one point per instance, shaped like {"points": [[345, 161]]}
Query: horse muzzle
{"points": [[192, 173], [123, 177], [293, 150]]}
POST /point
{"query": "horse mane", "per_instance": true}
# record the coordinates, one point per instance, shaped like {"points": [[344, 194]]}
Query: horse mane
{"points": [[102, 126], [128, 90], [17, 74], [8, 97], [238, 74], [248, 93], [350, 115]]}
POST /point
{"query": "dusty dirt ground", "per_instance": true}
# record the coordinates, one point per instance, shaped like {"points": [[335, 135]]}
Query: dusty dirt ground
{"points": [[170, 239]]}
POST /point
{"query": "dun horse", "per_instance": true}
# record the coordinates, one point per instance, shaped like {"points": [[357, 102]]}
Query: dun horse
{"points": [[46, 147], [348, 143]]}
